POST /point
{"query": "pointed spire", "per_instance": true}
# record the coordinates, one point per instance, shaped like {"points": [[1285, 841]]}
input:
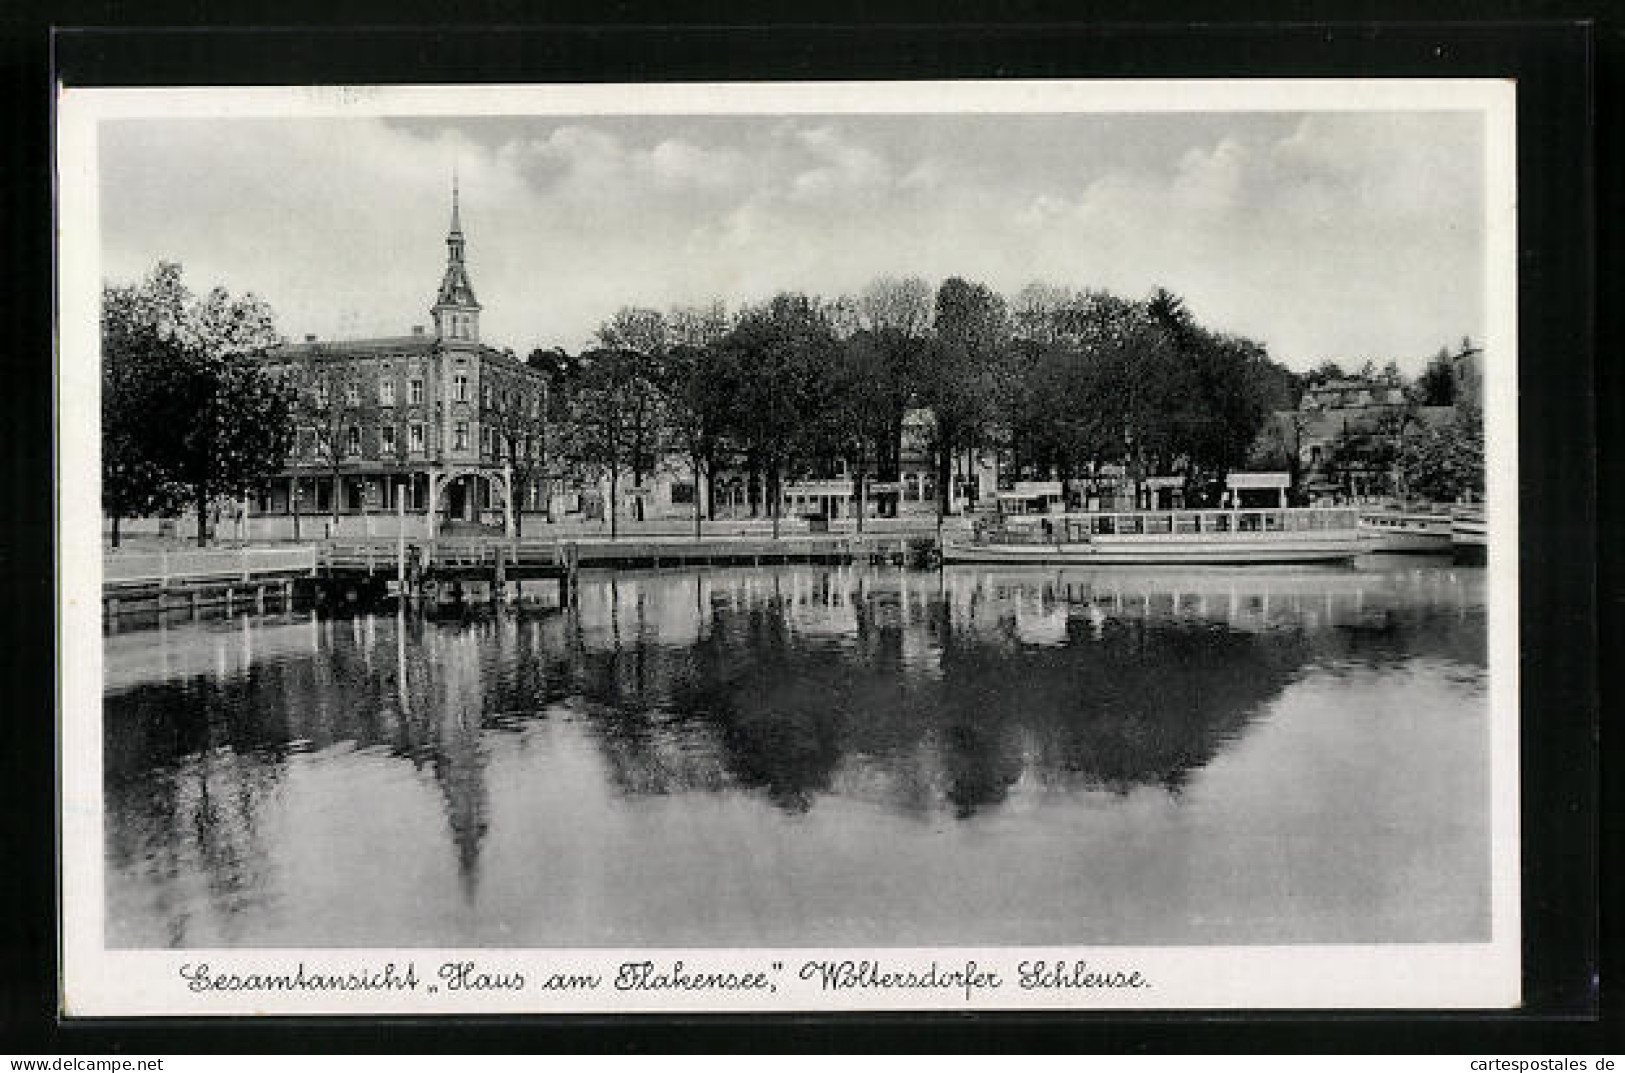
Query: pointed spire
{"points": [[456, 310], [456, 220]]}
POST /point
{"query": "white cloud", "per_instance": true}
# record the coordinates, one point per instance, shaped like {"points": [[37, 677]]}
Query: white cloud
{"points": [[845, 169], [1335, 235]]}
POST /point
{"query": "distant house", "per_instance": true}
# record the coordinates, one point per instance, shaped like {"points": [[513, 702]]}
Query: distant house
{"points": [[1352, 393], [1346, 433]]}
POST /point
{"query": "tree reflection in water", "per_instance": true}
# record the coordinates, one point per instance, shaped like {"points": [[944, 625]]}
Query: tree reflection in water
{"points": [[924, 694]]}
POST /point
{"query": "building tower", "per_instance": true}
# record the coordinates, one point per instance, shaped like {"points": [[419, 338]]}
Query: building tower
{"points": [[456, 312]]}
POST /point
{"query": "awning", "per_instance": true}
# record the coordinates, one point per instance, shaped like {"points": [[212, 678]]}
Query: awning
{"points": [[1240, 481]]}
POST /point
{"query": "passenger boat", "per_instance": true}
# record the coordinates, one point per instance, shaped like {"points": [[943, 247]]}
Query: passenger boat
{"points": [[1469, 534], [1398, 530], [1228, 537]]}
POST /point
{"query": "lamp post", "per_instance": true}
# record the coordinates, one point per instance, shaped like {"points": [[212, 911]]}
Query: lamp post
{"points": [[400, 544]]}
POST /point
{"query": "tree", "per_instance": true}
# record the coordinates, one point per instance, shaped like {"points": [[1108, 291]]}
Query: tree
{"points": [[963, 382], [895, 314], [1037, 311], [1279, 446], [1437, 384], [861, 424], [634, 328], [1445, 463], [137, 364], [521, 429], [697, 325], [698, 412], [1323, 373], [190, 414], [239, 434], [642, 332], [769, 365], [600, 406], [1367, 450]]}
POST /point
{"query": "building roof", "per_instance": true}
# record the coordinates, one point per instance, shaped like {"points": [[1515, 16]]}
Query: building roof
{"points": [[455, 287], [343, 348], [415, 344]]}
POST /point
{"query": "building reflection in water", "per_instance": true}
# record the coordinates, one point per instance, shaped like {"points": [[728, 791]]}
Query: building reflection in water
{"points": [[924, 695]]}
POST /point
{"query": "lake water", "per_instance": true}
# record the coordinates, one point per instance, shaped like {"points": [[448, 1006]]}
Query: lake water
{"points": [[817, 756]]}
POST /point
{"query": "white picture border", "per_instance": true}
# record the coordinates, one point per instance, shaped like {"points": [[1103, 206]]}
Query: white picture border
{"points": [[101, 982]]}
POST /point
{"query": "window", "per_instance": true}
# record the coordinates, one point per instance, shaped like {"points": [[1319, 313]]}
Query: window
{"points": [[352, 394], [485, 395], [321, 393], [387, 438], [353, 440], [682, 492], [415, 438], [323, 441], [386, 391], [416, 392], [485, 440], [460, 443], [459, 388]]}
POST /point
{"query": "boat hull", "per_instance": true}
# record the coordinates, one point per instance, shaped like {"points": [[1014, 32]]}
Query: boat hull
{"points": [[1208, 550], [1410, 534], [1470, 537]]}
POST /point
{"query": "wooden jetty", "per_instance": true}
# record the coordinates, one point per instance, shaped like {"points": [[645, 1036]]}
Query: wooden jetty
{"points": [[443, 571], [213, 578]]}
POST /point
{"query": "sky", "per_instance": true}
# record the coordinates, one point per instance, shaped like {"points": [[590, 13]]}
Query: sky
{"points": [[1329, 235]]}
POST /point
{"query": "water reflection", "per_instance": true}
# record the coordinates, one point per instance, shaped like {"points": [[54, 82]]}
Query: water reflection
{"points": [[343, 780]]}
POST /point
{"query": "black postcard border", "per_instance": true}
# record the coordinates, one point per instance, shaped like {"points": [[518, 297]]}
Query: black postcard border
{"points": [[1542, 46]]}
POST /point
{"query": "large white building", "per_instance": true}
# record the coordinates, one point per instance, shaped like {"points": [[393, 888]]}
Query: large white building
{"points": [[435, 423]]}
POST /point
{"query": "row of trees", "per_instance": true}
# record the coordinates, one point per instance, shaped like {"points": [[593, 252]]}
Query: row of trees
{"points": [[1056, 382]]}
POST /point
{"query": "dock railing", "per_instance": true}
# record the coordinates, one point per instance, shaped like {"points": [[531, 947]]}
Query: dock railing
{"points": [[206, 564], [1074, 526]]}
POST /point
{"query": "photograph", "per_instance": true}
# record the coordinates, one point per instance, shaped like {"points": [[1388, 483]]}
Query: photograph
{"points": [[786, 547]]}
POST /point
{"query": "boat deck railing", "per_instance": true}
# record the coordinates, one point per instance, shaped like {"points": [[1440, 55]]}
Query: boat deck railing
{"points": [[1080, 527]]}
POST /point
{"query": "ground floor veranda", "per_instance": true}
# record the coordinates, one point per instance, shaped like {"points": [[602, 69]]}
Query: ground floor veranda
{"points": [[474, 495], [480, 495]]}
